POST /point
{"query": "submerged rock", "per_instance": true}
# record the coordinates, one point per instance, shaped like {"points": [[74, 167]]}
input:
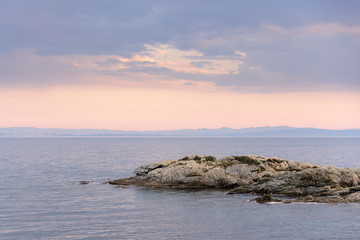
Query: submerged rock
{"points": [[297, 181]]}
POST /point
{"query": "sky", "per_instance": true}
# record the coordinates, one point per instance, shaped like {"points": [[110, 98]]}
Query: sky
{"points": [[165, 64]]}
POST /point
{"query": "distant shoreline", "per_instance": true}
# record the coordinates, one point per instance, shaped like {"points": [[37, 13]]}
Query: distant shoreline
{"points": [[281, 131], [139, 136]]}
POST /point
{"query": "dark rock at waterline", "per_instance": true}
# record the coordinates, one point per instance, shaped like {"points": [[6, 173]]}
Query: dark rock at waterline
{"points": [[266, 199], [297, 181], [85, 182]]}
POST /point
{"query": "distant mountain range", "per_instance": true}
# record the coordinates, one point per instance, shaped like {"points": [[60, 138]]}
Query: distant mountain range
{"points": [[282, 131]]}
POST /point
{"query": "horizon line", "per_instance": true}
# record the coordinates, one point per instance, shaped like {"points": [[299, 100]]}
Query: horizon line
{"points": [[180, 129]]}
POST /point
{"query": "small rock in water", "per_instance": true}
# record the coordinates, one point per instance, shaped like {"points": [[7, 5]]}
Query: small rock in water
{"points": [[85, 182]]}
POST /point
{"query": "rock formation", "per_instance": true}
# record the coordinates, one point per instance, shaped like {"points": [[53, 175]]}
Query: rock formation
{"points": [[291, 180]]}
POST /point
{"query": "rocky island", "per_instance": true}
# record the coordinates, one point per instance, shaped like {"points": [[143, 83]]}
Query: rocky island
{"points": [[290, 181]]}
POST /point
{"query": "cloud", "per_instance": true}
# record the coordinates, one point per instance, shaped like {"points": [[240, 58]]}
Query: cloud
{"points": [[190, 84], [122, 27], [162, 64], [280, 46], [316, 29], [24, 67], [164, 56], [242, 54], [329, 29]]}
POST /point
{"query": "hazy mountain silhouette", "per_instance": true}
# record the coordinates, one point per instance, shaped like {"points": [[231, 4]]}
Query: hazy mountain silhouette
{"points": [[281, 131]]}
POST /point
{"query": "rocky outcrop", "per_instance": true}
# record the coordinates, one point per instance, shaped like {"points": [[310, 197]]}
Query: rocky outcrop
{"points": [[291, 180]]}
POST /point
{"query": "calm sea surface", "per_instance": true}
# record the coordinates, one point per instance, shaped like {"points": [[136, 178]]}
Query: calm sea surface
{"points": [[40, 197]]}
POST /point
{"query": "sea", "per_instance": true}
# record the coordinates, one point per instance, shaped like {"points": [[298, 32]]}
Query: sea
{"points": [[41, 196]]}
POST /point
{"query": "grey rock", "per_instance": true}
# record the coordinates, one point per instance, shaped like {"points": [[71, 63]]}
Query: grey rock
{"points": [[241, 170], [304, 182], [215, 177], [143, 170]]}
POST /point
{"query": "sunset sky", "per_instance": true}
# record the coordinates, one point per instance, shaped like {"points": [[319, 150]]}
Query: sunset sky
{"points": [[163, 65]]}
